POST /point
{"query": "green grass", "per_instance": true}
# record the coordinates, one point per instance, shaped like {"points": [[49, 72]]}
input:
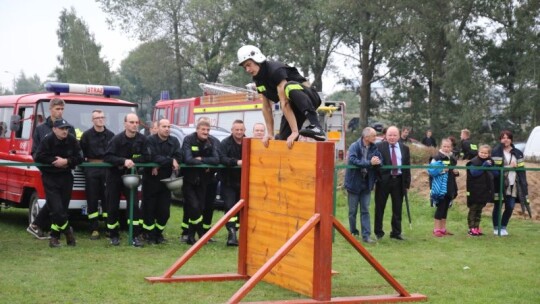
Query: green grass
{"points": [[453, 269]]}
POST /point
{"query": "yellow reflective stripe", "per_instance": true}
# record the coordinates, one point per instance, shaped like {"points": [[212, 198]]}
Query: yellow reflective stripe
{"points": [[205, 226], [292, 87], [233, 219], [446, 162], [158, 226], [78, 133], [184, 225], [474, 147], [248, 107], [237, 225], [55, 227], [113, 226], [104, 214], [136, 156], [148, 227], [261, 89], [93, 215], [63, 227], [468, 193], [196, 221], [194, 148]]}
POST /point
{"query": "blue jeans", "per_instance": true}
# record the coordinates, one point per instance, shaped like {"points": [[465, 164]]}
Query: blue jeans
{"points": [[509, 203], [361, 198]]}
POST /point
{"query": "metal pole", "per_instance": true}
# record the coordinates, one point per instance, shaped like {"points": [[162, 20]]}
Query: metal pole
{"points": [[131, 195], [501, 191]]}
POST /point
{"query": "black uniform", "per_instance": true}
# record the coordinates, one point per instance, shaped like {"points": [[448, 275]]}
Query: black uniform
{"points": [[58, 182], [231, 153], [304, 100], [479, 189], [119, 149], [93, 145], [43, 219], [468, 150], [156, 196], [196, 179]]}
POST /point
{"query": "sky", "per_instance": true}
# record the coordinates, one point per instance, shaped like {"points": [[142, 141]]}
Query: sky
{"points": [[28, 40]]}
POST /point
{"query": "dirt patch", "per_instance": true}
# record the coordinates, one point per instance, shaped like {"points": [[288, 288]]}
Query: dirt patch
{"points": [[420, 185]]}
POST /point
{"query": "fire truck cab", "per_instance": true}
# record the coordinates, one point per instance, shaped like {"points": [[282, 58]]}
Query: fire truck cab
{"points": [[20, 185], [223, 104]]}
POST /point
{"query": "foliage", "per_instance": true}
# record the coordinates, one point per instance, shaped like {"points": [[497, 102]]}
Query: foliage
{"points": [[80, 61], [25, 84]]}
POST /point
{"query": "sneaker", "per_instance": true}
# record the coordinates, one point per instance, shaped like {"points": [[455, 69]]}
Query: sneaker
{"points": [[54, 242], [95, 235], [472, 232], [314, 132], [479, 232], [137, 242], [70, 237], [115, 241], [495, 232], [369, 240], [37, 232], [446, 232], [504, 232], [438, 233]]}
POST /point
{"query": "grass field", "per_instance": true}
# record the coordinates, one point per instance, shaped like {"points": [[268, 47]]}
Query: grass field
{"points": [[457, 269]]}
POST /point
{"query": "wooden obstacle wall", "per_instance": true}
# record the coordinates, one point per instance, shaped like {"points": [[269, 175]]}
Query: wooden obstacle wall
{"points": [[283, 188]]}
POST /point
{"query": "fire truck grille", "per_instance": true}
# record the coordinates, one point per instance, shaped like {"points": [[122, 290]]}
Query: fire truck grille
{"points": [[78, 179]]}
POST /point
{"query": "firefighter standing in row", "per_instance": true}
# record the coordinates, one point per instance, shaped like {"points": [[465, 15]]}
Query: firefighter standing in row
{"points": [[94, 143], [231, 156], [62, 151], [278, 82], [165, 151], [56, 110], [124, 150], [197, 149]]}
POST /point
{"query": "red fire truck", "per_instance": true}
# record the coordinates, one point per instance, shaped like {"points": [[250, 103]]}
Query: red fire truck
{"points": [[21, 186], [223, 104]]}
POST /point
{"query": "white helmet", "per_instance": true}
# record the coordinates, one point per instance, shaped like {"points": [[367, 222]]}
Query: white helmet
{"points": [[250, 52]]}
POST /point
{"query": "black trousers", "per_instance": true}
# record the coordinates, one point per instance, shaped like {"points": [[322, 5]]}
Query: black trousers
{"points": [[194, 201], [115, 188], [156, 204], [208, 208], [303, 102], [231, 196], [394, 189], [95, 192], [58, 188]]}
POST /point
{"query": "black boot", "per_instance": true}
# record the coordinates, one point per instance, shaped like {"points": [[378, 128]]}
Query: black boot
{"points": [[232, 240], [191, 234]]}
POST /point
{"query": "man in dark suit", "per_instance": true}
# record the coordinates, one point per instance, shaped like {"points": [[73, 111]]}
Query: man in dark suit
{"points": [[392, 182]]}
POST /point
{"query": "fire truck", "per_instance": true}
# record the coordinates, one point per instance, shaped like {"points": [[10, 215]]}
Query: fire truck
{"points": [[21, 186], [223, 104]]}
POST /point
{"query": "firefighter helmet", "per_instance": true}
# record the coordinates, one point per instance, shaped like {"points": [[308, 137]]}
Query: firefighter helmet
{"points": [[250, 52]]}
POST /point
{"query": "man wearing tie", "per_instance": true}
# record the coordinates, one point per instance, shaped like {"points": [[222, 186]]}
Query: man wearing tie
{"points": [[392, 182]]}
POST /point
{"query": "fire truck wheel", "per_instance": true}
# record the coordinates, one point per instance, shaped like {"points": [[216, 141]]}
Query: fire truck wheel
{"points": [[33, 207]]}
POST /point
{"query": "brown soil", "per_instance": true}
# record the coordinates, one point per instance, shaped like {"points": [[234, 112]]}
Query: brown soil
{"points": [[420, 184]]}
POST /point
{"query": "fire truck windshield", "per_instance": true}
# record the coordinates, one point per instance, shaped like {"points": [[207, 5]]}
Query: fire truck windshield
{"points": [[80, 115]]}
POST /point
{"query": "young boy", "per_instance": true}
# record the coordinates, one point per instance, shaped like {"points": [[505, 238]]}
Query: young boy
{"points": [[479, 188]]}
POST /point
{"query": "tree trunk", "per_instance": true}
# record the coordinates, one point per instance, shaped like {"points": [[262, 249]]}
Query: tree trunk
{"points": [[365, 82]]}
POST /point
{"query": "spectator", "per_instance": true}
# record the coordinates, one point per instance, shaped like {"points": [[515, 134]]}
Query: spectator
{"points": [[259, 130], [231, 156], [197, 149], [61, 150], [165, 151], [405, 135], [94, 143], [515, 187], [360, 181], [124, 150], [479, 188], [468, 150], [429, 141], [444, 187], [392, 182]]}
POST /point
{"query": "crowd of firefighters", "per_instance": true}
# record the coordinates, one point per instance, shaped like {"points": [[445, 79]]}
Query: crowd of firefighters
{"points": [[58, 150]]}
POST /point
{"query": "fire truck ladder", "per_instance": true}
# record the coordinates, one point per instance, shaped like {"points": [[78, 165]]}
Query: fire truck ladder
{"points": [[222, 89]]}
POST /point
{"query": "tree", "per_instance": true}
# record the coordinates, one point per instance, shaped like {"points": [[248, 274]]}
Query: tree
{"points": [[80, 61], [28, 85], [147, 71]]}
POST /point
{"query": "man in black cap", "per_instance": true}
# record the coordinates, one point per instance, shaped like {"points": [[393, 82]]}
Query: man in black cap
{"points": [[61, 150]]}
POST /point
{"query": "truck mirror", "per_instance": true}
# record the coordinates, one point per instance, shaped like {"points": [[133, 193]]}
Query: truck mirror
{"points": [[15, 123]]}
